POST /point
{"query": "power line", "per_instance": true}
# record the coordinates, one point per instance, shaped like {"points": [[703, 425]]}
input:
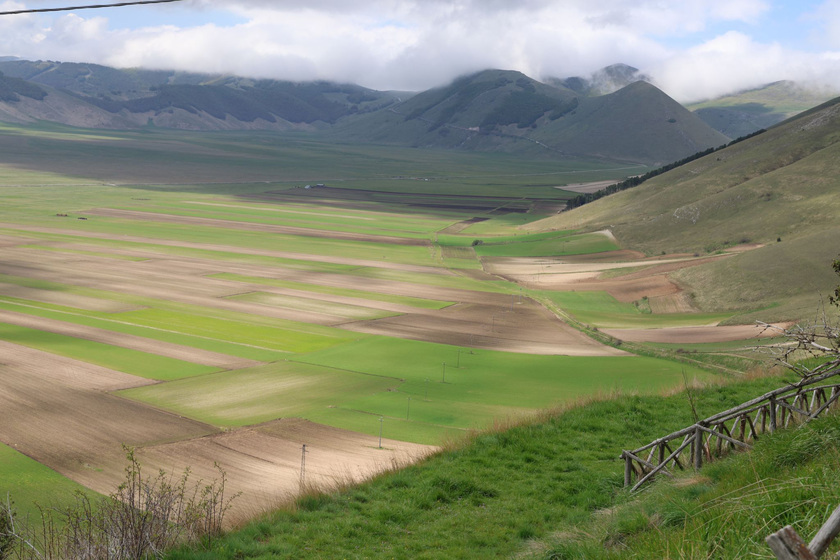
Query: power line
{"points": [[88, 7]]}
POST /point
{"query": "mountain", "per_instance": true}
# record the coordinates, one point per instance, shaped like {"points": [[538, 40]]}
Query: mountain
{"points": [[745, 112], [776, 192], [471, 112], [606, 80], [508, 111], [637, 123], [493, 110], [102, 96]]}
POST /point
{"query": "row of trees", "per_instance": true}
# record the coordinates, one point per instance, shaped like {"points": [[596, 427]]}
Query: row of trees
{"points": [[631, 182]]}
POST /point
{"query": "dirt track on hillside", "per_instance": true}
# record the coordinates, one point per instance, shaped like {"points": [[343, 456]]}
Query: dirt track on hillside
{"points": [[647, 278], [692, 335]]}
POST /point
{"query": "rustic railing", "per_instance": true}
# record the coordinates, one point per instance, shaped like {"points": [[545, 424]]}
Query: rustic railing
{"points": [[786, 543], [733, 429]]}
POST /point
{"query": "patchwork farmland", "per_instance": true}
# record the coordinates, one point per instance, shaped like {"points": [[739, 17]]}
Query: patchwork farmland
{"points": [[232, 323]]}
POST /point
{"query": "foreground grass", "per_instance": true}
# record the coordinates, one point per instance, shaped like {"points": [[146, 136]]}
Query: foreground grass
{"points": [[727, 510], [493, 496]]}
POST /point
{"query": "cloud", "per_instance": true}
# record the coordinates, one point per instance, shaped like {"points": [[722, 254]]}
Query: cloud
{"points": [[733, 62], [416, 44], [827, 18]]}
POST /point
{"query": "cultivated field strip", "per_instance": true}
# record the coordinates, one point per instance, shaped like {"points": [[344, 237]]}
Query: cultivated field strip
{"points": [[252, 226], [158, 347], [225, 248]]}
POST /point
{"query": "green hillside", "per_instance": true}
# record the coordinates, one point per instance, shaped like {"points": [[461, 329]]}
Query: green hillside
{"points": [[12, 88], [638, 123], [507, 111], [726, 511], [742, 113], [175, 99], [470, 113], [778, 189]]}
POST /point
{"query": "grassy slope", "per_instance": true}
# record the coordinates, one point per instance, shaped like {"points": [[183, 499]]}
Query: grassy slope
{"points": [[636, 123], [726, 511], [780, 185], [492, 497], [745, 112]]}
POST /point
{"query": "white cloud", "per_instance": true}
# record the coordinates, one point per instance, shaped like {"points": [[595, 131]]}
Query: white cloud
{"points": [[733, 62], [415, 44], [827, 17]]}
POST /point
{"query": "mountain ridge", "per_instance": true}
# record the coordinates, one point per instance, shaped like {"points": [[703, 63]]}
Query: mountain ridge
{"points": [[491, 110]]}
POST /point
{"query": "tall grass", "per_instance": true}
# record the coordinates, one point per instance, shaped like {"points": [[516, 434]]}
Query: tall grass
{"points": [[726, 510]]}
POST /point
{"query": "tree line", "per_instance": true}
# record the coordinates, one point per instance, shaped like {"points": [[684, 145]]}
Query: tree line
{"points": [[630, 182]]}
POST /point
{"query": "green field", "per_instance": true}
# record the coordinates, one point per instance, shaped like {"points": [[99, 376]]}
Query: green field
{"points": [[209, 241], [141, 364], [420, 303], [600, 309], [31, 485], [424, 390]]}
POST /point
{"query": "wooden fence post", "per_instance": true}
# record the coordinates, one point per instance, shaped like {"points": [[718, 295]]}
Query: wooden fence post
{"points": [[786, 543], [772, 413], [698, 448], [628, 469], [826, 534]]}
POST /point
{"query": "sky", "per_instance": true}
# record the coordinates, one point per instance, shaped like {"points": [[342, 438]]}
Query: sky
{"points": [[692, 49]]}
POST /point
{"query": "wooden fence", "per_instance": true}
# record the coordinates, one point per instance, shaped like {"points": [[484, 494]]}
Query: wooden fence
{"points": [[733, 429], [786, 543]]}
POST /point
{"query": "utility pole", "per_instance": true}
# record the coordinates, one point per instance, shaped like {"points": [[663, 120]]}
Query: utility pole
{"points": [[380, 431], [303, 468]]}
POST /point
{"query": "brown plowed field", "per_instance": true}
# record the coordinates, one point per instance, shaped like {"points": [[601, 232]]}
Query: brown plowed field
{"points": [[251, 226], [692, 335], [63, 298], [264, 462], [503, 323], [583, 273], [233, 249], [57, 411]]}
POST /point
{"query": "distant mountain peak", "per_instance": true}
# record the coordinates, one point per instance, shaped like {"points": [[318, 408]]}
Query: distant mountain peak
{"points": [[604, 81]]}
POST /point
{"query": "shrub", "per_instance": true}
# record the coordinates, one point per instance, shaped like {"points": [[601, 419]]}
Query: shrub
{"points": [[142, 519]]}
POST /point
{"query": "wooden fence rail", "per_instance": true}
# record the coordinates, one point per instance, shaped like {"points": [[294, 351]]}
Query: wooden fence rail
{"points": [[732, 429], [786, 543]]}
